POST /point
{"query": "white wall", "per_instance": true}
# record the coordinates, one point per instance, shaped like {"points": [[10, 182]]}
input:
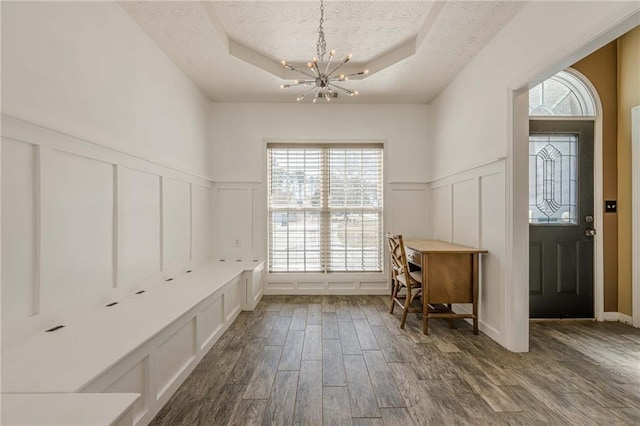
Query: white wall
{"points": [[239, 132], [86, 68], [104, 140], [472, 125]]}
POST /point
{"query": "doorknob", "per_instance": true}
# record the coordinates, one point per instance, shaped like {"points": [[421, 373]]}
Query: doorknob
{"points": [[589, 232]]}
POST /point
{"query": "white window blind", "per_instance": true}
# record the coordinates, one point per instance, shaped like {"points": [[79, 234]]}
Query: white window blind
{"points": [[325, 208]]}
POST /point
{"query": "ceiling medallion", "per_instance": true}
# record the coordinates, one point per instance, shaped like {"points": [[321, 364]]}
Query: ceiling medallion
{"points": [[321, 78]]}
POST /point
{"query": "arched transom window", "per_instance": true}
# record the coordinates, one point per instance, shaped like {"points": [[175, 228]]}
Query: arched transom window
{"points": [[564, 94]]}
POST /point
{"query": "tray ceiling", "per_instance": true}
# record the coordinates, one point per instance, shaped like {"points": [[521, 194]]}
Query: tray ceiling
{"points": [[232, 49]]}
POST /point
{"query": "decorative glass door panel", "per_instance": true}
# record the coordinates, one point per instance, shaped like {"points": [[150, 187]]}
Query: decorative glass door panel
{"points": [[553, 179]]}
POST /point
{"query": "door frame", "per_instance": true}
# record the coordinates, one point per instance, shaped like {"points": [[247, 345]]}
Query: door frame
{"points": [[516, 295], [635, 214], [598, 211]]}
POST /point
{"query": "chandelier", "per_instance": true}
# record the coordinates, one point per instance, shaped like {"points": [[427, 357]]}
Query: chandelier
{"points": [[321, 76]]}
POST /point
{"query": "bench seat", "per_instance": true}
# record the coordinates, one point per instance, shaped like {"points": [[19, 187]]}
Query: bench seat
{"points": [[146, 343], [68, 409]]}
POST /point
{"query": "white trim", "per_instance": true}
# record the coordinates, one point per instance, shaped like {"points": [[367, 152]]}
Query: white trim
{"points": [[487, 329], [516, 294], [561, 118], [466, 169], [8, 119], [618, 317], [598, 197], [490, 168], [610, 316], [625, 319], [635, 214]]}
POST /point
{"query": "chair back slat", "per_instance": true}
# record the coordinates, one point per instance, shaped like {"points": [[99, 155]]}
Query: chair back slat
{"points": [[399, 256], [400, 270]]}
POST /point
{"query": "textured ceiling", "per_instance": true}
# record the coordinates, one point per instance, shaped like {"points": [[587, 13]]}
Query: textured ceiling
{"points": [[231, 49], [290, 31]]}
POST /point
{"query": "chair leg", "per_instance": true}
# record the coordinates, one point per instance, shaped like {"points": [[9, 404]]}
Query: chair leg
{"points": [[394, 294], [450, 319], [407, 304]]}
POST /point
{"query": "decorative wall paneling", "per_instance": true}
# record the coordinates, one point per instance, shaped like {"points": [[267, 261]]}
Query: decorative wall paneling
{"points": [[468, 208], [157, 368], [241, 234], [85, 225], [158, 339], [241, 219], [407, 209]]}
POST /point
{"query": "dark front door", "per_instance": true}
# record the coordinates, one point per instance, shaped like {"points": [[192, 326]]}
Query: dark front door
{"points": [[561, 219]]}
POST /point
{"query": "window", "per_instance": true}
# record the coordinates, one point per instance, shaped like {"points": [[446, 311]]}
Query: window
{"points": [[553, 179], [564, 94], [325, 208]]}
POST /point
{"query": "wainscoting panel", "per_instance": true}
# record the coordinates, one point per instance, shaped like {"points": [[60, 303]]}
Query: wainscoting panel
{"points": [[492, 237], [77, 229], [140, 206], [176, 219], [135, 380], [19, 228], [234, 222], [85, 224], [211, 321], [407, 204], [200, 223], [441, 212], [468, 209], [175, 354]]}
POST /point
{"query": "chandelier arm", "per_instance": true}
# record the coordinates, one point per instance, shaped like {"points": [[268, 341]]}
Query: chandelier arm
{"points": [[316, 69], [305, 94], [365, 72], [315, 73], [344, 61], [298, 83], [315, 97], [292, 68], [347, 91], [329, 62]]}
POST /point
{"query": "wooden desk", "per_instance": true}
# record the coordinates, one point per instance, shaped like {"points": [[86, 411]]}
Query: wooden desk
{"points": [[449, 275]]}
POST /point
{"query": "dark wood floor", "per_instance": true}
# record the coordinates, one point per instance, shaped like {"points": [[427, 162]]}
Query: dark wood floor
{"points": [[342, 360]]}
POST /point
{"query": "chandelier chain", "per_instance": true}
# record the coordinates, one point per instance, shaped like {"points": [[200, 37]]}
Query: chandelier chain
{"points": [[321, 47]]}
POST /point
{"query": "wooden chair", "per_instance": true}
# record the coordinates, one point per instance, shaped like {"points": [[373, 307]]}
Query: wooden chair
{"points": [[402, 278]]}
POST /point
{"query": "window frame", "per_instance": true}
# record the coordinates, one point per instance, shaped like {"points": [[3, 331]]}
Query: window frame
{"points": [[308, 276]]}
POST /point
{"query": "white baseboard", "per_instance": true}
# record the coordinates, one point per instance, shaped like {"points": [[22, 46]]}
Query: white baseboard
{"points": [[326, 292], [487, 329], [618, 316], [626, 319], [611, 316]]}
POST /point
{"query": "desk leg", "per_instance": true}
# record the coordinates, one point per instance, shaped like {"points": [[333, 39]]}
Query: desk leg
{"points": [[475, 258], [425, 293]]}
